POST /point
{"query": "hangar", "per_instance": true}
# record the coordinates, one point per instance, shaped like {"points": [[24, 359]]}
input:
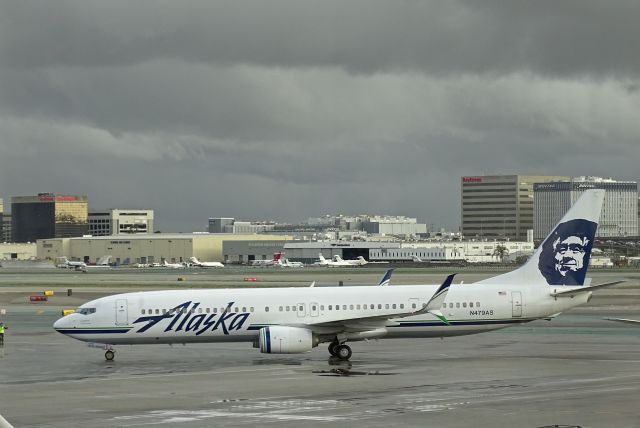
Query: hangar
{"points": [[147, 248]]}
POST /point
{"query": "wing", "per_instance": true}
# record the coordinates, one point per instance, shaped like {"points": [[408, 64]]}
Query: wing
{"points": [[628, 321], [361, 324]]}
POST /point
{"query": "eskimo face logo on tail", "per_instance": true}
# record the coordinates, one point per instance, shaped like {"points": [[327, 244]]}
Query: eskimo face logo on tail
{"points": [[565, 253]]}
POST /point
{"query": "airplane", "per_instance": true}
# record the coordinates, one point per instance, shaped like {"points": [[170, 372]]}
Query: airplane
{"points": [[101, 263], [359, 261], [336, 261], [288, 263], [274, 261], [65, 263], [197, 263], [296, 320], [173, 265]]}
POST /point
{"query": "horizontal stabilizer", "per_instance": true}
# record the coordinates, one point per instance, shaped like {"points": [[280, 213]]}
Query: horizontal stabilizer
{"points": [[573, 291]]}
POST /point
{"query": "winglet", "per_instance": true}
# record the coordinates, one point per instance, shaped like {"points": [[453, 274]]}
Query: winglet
{"points": [[434, 304], [386, 278]]}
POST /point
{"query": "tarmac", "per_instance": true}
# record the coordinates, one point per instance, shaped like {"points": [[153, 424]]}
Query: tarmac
{"points": [[575, 370]]}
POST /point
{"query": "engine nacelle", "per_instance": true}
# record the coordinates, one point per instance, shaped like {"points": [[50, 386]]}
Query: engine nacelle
{"points": [[286, 340]]}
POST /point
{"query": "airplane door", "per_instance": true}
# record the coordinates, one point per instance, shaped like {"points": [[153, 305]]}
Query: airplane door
{"points": [[301, 310], [516, 303], [121, 312], [313, 309]]}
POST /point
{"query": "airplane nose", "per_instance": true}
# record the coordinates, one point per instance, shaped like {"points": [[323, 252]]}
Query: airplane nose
{"points": [[62, 323]]}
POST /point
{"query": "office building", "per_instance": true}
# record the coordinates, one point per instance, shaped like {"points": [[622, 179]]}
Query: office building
{"points": [[231, 225], [48, 216], [499, 206], [114, 222], [619, 216]]}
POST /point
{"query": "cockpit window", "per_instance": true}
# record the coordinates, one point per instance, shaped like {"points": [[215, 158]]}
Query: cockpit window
{"points": [[86, 311]]}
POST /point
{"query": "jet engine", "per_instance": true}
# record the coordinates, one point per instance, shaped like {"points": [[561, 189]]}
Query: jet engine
{"points": [[286, 340]]}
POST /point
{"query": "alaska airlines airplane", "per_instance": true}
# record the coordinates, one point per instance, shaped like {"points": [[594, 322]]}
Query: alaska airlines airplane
{"points": [[295, 320]]}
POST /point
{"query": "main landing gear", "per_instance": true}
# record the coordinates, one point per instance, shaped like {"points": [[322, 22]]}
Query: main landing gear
{"points": [[340, 350], [109, 353]]}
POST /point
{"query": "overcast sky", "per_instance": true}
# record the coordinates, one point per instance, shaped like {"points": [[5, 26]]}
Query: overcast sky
{"points": [[289, 109]]}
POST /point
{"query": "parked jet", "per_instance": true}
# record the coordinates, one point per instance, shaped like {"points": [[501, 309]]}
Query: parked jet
{"points": [[173, 265], [295, 320], [197, 263], [359, 261], [336, 261], [274, 261], [287, 263], [64, 263]]}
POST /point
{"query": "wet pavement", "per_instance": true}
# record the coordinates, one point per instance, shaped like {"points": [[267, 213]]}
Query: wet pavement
{"points": [[576, 370]]}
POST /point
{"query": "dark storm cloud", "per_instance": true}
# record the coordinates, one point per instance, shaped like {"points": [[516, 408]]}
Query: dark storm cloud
{"points": [[548, 37], [286, 110]]}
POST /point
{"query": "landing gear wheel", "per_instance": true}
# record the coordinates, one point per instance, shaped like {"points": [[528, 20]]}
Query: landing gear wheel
{"points": [[343, 352], [109, 355], [333, 346]]}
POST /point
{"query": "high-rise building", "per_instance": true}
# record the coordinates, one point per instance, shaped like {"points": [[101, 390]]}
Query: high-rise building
{"points": [[119, 222], [619, 216], [499, 206], [48, 216]]}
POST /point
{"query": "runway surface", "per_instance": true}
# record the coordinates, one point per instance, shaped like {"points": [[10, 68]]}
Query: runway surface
{"points": [[576, 370]]}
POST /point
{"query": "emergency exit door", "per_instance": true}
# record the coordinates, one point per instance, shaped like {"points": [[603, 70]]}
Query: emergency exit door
{"points": [[516, 303]]}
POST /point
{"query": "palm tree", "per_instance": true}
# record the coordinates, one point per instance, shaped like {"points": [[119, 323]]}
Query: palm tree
{"points": [[501, 252]]}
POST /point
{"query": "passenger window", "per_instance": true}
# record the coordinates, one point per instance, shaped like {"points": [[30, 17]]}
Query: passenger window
{"points": [[149, 311], [351, 307], [464, 304], [313, 308], [300, 308], [372, 306], [450, 305], [207, 310], [444, 305], [457, 304], [477, 304], [280, 308], [471, 304], [251, 309], [358, 307], [164, 311], [215, 310], [330, 307], [379, 306], [401, 305], [266, 308], [244, 309], [157, 311], [393, 306], [199, 310], [344, 307], [413, 305], [142, 311], [288, 308], [322, 307], [337, 307], [386, 306]]}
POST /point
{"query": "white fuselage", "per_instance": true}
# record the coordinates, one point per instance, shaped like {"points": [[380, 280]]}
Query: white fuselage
{"points": [[237, 315]]}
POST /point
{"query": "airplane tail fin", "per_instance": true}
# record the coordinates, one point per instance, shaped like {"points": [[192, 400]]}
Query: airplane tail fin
{"points": [[321, 257], [563, 257], [276, 256]]}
